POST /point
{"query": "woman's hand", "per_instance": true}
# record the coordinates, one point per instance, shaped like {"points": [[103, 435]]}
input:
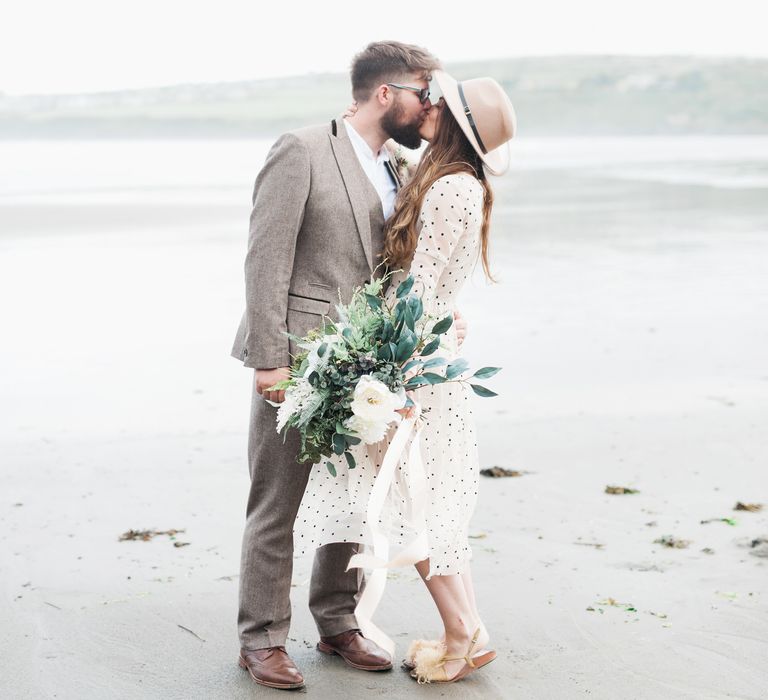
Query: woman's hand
{"points": [[461, 327], [351, 110], [410, 411]]}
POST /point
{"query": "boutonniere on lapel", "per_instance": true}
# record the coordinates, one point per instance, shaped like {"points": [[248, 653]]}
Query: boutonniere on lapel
{"points": [[402, 165]]}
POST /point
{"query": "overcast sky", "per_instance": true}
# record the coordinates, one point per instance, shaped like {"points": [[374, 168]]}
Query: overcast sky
{"points": [[85, 45]]}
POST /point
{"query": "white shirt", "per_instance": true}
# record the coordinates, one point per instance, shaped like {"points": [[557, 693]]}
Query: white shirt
{"points": [[376, 169]]}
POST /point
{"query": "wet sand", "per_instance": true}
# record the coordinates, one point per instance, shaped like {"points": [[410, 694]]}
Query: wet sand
{"points": [[631, 324]]}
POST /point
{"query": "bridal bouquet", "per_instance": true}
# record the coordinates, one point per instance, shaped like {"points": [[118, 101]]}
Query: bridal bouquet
{"points": [[352, 375]]}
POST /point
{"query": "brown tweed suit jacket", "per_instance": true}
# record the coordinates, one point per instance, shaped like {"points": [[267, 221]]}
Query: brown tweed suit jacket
{"points": [[315, 234]]}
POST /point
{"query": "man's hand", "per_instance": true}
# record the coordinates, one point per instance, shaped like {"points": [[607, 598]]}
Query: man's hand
{"points": [[265, 378], [461, 326]]}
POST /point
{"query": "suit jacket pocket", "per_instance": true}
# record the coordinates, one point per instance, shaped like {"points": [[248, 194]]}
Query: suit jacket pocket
{"points": [[304, 314], [319, 307]]}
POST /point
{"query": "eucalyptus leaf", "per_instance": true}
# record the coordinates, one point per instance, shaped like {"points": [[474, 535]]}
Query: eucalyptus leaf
{"points": [[435, 362], [339, 443], [406, 346], [373, 301], [416, 382], [482, 391], [410, 365], [351, 440], [456, 368], [408, 317], [433, 378], [416, 306], [331, 468], [442, 325], [399, 322], [350, 460], [486, 372], [404, 287], [431, 346], [321, 350]]}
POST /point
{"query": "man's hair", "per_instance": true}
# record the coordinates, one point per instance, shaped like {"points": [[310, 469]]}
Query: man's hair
{"points": [[387, 62]]}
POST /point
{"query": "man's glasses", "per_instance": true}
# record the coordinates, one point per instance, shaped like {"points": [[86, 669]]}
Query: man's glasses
{"points": [[422, 93]]}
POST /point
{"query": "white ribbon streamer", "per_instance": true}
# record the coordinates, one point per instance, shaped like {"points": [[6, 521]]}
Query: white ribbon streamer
{"points": [[415, 551]]}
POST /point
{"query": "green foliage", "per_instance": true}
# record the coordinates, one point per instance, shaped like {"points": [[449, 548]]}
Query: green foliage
{"points": [[456, 368], [406, 346], [486, 372], [443, 325], [433, 378], [416, 382], [416, 307], [404, 287], [339, 443], [482, 391], [434, 362], [370, 338], [411, 364], [431, 346]]}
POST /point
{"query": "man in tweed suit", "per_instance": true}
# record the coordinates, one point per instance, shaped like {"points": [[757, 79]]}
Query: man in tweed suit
{"points": [[316, 230]]}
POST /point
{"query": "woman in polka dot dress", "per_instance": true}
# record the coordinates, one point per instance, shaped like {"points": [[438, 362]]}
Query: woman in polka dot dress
{"points": [[438, 232]]}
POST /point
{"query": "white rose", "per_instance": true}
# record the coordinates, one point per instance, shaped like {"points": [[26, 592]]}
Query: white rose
{"points": [[373, 402], [368, 431]]}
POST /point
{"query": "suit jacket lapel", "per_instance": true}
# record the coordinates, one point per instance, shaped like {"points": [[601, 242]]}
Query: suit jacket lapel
{"points": [[354, 178]]}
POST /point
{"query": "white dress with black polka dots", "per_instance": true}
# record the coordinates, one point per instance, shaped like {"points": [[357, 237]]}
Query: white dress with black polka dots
{"points": [[333, 508]]}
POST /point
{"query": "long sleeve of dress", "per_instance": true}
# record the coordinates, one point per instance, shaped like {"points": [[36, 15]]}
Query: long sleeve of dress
{"points": [[450, 207]]}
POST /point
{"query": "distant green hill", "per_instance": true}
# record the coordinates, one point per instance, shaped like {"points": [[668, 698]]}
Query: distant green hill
{"points": [[552, 95]]}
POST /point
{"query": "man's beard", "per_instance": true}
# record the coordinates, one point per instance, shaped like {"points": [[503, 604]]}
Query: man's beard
{"points": [[405, 134]]}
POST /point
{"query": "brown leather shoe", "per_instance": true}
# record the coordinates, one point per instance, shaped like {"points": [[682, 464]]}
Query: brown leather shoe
{"points": [[356, 650], [271, 667]]}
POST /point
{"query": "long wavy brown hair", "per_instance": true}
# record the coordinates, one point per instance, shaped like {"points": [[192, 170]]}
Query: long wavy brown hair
{"points": [[449, 152]]}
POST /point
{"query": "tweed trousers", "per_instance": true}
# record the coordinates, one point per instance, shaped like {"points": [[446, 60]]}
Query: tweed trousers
{"points": [[266, 565]]}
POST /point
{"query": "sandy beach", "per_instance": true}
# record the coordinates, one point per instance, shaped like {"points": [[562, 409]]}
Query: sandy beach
{"points": [[631, 320]]}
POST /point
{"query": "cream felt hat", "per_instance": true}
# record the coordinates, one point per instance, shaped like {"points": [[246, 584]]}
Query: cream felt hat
{"points": [[484, 113]]}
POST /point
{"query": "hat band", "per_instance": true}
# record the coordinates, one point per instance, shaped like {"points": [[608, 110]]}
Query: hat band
{"points": [[468, 115]]}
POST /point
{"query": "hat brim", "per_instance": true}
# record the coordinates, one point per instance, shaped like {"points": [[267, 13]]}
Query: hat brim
{"points": [[497, 160]]}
